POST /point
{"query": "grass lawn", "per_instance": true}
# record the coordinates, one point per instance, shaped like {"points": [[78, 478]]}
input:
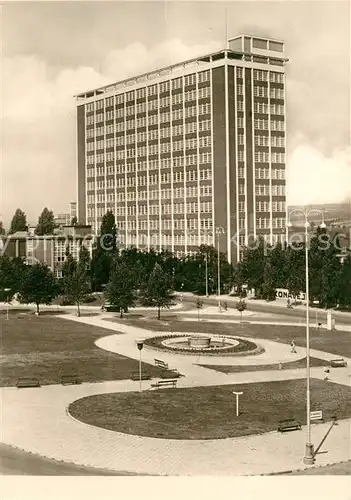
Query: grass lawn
{"points": [[336, 342], [300, 363], [209, 412], [47, 347]]}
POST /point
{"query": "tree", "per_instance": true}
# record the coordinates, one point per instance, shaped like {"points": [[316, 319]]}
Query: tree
{"points": [[75, 278], [106, 248], [121, 289], [344, 293], [268, 288], [241, 307], [296, 269], [158, 292], [11, 272], [74, 221], [38, 285], [251, 268], [2, 229], [19, 222], [46, 224]]}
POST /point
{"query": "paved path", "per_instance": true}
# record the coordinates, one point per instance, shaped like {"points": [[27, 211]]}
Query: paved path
{"points": [[36, 420]]}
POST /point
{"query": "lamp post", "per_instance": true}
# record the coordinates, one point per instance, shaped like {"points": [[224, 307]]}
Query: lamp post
{"points": [[7, 291], [219, 232], [309, 450], [206, 273], [140, 345]]}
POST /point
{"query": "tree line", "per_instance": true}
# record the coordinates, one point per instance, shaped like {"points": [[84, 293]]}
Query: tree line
{"points": [[45, 226], [131, 276]]}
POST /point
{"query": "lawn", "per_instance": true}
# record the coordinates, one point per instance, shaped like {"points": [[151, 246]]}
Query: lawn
{"points": [[46, 347], [336, 342], [209, 412], [290, 365]]}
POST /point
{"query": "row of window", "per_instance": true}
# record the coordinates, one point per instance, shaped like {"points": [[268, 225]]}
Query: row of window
{"points": [[274, 77], [276, 125], [265, 206], [263, 108], [267, 223], [275, 93], [201, 77], [263, 173], [263, 157], [162, 132], [264, 190]]}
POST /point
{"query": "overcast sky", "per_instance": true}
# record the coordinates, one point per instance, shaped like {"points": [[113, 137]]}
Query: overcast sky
{"points": [[53, 50]]}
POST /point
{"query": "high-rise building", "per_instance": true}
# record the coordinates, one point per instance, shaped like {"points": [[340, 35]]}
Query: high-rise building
{"points": [[191, 152]]}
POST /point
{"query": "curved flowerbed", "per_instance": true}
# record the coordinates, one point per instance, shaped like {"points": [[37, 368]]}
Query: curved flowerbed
{"points": [[237, 347]]}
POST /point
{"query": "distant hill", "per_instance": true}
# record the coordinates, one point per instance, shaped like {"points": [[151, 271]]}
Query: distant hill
{"points": [[338, 214]]}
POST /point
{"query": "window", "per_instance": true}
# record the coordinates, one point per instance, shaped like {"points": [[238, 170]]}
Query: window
{"points": [[278, 206], [190, 79], [204, 125], [261, 124], [278, 141], [262, 206], [239, 89], [278, 173], [240, 122], [276, 77], [260, 91], [261, 140], [177, 83], [261, 173], [204, 76], [262, 190], [278, 158], [239, 72], [261, 157], [261, 75], [241, 172], [278, 125], [277, 93], [261, 107], [241, 206]]}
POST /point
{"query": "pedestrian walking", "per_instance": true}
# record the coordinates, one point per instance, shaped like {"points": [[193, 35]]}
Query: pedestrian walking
{"points": [[293, 347]]}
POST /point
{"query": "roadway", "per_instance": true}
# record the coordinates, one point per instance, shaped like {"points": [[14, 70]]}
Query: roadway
{"points": [[296, 313], [16, 462]]}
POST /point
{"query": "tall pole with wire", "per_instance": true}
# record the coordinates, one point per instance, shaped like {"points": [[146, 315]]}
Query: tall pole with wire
{"points": [[309, 457], [206, 273], [309, 452]]}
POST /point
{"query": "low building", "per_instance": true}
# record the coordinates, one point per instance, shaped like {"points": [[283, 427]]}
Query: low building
{"points": [[49, 249]]}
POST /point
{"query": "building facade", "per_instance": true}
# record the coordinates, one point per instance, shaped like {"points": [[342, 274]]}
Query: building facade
{"points": [[189, 153], [49, 249]]}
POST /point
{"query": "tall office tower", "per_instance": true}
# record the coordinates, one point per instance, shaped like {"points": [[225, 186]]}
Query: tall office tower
{"points": [[189, 153]]}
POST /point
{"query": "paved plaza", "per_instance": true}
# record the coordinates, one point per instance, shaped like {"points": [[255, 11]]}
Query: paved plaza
{"points": [[37, 420]]}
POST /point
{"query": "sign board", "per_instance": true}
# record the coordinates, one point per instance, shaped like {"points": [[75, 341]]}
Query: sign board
{"points": [[283, 294], [316, 415]]}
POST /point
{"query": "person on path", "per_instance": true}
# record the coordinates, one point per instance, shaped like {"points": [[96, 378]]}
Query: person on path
{"points": [[293, 347]]}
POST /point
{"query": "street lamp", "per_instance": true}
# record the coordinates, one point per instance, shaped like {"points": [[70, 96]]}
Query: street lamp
{"points": [[206, 273], [219, 232], [7, 291], [140, 345], [309, 451]]}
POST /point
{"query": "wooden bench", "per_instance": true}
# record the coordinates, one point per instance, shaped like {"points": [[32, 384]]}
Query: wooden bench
{"points": [[165, 383], [316, 416], [27, 382], [170, 373], [338, 363], [144, 376], [289, 424], [70, 380], [161, 364]]}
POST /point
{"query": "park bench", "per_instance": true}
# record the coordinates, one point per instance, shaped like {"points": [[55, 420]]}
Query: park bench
{"points": [[338, 363], [144, 376], [161, 364], [316, 416], [70, 380], [27, 382], [165, 383], [289, 424]]}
